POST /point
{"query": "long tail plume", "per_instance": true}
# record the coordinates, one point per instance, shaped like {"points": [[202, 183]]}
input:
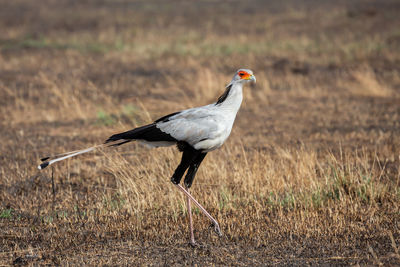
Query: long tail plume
{"points": [[47, 161], [149, 133]]}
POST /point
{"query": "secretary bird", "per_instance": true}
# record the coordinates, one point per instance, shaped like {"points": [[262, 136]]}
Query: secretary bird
{"points": [[195, 131]]}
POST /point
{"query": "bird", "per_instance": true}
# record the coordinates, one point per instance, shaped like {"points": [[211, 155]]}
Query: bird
{"points": [[195, 132]]}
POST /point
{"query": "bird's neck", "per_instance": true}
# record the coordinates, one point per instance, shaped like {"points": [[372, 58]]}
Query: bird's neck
{"points": [[232, 97]]}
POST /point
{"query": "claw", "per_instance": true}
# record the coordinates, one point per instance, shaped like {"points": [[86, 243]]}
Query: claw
{"points": [[217, 229], [194, 244]]}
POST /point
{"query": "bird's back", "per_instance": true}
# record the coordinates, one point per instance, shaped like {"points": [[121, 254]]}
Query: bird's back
{"points": [[204, 128]]}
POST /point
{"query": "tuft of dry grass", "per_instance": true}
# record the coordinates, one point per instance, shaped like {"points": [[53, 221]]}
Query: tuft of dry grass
{"points": [[365, 83]]}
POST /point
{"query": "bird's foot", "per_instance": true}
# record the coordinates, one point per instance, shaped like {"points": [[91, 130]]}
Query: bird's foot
{"points": [[217, 229], [194, 244]]}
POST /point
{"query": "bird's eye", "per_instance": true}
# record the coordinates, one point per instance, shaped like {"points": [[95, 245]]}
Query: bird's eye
{"points": [[241, 73]]}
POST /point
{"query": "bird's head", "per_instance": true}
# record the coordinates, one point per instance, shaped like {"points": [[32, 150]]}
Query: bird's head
{"points": [[243, 76]]}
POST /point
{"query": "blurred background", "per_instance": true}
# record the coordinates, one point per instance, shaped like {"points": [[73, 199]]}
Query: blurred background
{"points": [[310, 174]]}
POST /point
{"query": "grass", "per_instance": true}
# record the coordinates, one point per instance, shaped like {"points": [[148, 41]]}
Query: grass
{"points": [[6, 214], [309, 176]]}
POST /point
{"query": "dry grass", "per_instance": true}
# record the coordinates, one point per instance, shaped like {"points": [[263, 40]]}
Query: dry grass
{"points": [[310, 174]]}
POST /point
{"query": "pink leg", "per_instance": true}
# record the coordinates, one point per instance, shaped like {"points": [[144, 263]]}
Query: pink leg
{"points": [[189, 207], [216, 225]]}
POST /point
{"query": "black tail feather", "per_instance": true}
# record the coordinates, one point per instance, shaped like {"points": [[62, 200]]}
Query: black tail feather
{"points": [[43, 165], [148, 133], [121, 143], [44, 159]]}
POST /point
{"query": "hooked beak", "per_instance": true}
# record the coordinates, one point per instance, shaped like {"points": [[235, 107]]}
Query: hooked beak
{"points": [[252, 78]]}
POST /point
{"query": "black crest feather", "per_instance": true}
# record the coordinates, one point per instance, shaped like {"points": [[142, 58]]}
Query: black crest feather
{"points": [[223, 97]]}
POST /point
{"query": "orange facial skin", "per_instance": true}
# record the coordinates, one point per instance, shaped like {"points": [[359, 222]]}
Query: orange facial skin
{"points": [[244, 75]]}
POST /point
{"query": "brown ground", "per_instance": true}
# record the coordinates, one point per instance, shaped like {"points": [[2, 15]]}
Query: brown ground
{"points": [[310, 175]]}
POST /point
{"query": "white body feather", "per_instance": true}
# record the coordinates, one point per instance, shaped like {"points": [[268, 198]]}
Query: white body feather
{"points": [[205, 128]]}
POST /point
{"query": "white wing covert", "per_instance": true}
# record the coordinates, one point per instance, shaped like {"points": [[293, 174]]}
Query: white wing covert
{"points": [[192, 125]]}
